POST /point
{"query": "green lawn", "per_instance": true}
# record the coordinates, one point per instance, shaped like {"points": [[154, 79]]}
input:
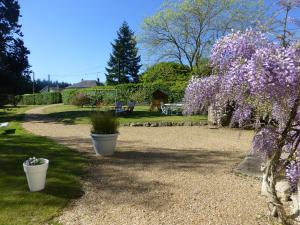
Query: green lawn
{"points": [[17, 204], [77, 115]]}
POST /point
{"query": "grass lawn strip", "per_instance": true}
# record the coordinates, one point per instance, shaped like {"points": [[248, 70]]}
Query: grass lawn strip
{"points": [[70, 114], [18, 205]]}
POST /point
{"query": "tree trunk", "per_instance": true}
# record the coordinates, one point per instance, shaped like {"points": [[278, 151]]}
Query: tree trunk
{"points": [[269, 189]]}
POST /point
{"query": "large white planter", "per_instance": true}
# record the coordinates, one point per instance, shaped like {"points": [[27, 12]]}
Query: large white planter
{"points": [[104, 144], [36, 175]]}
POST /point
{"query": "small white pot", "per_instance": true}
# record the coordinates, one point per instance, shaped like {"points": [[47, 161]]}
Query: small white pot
{"points": [[104, 144], [36, 175]]}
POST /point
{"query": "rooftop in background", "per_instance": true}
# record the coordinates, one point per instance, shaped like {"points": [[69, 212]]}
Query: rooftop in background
{"points": [[85, 84], [51, 89]]}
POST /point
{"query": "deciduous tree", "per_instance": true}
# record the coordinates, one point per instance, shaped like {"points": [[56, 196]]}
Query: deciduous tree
{"points": [[185, 30]]}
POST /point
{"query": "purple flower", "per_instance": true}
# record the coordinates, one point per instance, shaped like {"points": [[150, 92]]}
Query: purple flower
{"points": [[262, 79], [292, 174]]}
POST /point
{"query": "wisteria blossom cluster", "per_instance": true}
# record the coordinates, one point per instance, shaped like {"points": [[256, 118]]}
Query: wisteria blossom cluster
{"points": [[262, 79]]}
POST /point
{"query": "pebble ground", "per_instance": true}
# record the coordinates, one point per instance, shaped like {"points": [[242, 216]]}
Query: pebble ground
{"points": [[160, 175]]}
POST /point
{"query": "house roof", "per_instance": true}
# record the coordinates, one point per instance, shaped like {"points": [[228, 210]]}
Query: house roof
{"points": [[85, 84], [46, 88]]}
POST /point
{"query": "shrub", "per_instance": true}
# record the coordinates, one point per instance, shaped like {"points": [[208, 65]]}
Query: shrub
{"points": [[39, 99], [96, 98], [81, 99], [138, 96], [166, 71], [68, 94], [27, 99], [14, 100], [109, 98], [104, 123], [141, 92]]}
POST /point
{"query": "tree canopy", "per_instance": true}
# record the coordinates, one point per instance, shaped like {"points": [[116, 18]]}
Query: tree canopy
{"points": [[185, 30], [14, 66], [166, 71], [124, 63]]}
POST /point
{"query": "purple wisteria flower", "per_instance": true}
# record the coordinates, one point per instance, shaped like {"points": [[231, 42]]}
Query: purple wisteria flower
{"points": [[259, 77], [292, 174]]}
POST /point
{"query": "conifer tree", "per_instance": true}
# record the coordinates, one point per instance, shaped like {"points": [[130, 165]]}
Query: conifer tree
{"points": [[14, 66], [124, 63]]}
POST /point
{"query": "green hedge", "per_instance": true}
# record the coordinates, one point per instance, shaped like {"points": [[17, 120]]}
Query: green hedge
{"points": [[141, 92], [40, 99]]}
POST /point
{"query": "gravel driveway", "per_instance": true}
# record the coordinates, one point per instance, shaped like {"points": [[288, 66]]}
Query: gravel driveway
{"points": [[160, 175]]}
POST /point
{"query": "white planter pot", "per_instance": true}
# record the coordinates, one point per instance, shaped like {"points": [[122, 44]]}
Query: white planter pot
{"points": [[36, 175], [104, 144]]}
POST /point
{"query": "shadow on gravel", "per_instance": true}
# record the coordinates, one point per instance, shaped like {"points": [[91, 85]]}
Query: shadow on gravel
{"points": [[40, 118], [120, 178]]}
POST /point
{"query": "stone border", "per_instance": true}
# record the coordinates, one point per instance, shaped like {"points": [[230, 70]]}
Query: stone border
{"points": [[164, 124]]}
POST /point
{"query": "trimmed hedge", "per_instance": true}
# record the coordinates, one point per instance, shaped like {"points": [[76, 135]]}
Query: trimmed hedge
{"points": [[40, 99], [141, 92]]}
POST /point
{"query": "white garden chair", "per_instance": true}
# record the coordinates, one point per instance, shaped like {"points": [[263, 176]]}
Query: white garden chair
{"points": [[164, 109], [4, 125]]}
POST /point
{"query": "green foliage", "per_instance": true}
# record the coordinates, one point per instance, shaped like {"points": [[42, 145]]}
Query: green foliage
{"points": [[14, 66], [166, 71], [124, 63], [185, 30], [40, 99], [202, 69], [14, 100], [81, 99], [68, 94], [141, 92], [138, 96], [104, 123], [96, 98]]}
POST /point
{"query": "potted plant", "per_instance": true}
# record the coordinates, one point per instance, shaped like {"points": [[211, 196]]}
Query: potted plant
{"points": [[36, 171], [104, 132]]}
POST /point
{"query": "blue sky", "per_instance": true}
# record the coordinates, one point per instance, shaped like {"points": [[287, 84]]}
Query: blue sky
{"points": [[70, 40]]}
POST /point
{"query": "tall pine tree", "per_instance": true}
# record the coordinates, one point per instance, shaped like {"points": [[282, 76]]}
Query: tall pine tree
{"points": [[14, 66], [124, 63]]}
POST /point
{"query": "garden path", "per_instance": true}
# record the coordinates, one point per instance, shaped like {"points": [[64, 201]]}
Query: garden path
{"points": [[160, 175]]}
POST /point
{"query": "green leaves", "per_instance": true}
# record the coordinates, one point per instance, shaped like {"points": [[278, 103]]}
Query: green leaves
{"points": [[40, 99], [124, 63], [104, 123]]}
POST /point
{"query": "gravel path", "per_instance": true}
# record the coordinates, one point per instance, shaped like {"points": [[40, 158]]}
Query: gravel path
{"points": [[164, 175]]}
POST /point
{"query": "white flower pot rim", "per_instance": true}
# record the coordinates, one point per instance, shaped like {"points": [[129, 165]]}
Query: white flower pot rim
{"points": [[106, 135], [45, 161]]}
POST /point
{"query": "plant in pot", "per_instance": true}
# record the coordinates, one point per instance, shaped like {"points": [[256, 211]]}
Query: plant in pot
{"points": [[36, 171], [104, 132]]}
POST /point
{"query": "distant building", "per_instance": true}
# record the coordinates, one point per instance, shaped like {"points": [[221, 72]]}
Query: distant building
{"points": [[85, 84], [51, 89]]}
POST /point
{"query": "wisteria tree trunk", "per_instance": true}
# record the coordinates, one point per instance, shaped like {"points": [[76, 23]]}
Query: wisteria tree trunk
{"points": [[269, 187], [273, 168]]}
